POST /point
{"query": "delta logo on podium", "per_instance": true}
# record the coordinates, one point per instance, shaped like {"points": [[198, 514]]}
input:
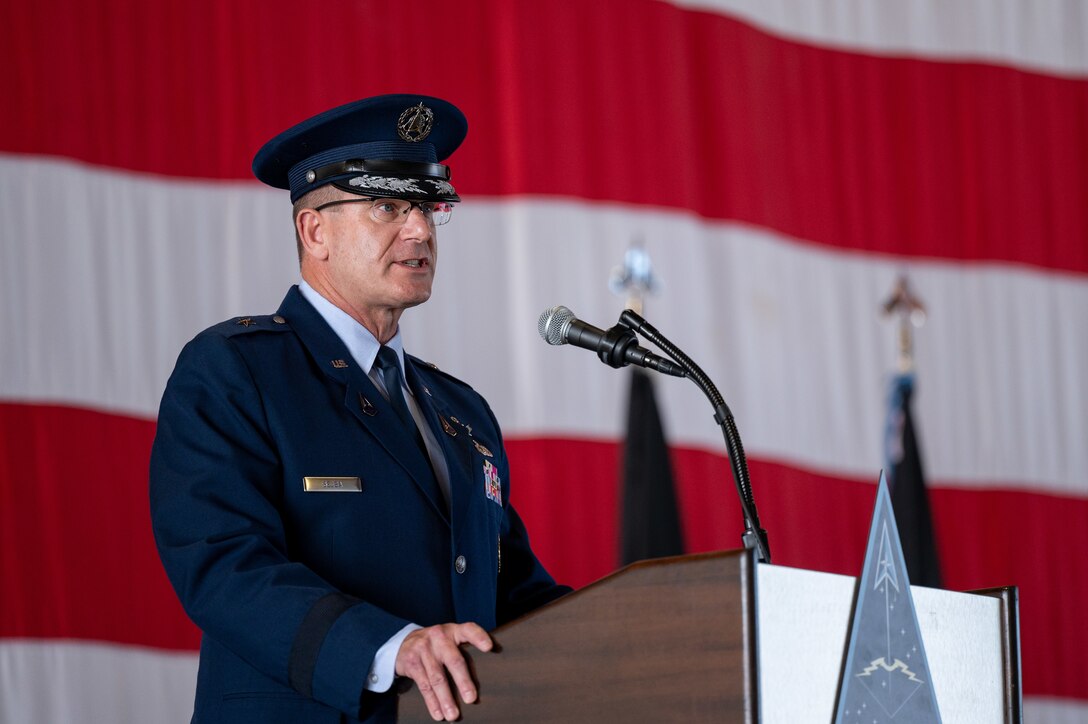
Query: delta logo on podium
{"points": [[886, 678]]}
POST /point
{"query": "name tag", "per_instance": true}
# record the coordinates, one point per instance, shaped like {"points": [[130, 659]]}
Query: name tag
{"points": [[316, 484]]}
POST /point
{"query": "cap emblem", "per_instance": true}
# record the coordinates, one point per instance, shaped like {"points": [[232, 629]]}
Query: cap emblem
{"points": [[415, 123]]}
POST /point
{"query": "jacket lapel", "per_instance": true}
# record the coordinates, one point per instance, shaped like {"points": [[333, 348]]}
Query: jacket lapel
{"points": [[361, 397], [456, 448]]}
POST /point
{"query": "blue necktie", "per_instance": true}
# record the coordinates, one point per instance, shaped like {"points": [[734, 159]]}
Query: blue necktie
{"points": [[394, 386], [392, 379]]}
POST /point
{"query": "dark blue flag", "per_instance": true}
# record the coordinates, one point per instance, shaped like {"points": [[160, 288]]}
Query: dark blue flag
{"points": [[907, 486]]}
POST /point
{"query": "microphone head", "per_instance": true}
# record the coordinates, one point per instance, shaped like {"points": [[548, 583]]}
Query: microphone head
{"points": [[554, 323]]}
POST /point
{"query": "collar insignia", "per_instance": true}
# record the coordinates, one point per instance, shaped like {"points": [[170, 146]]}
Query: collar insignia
{"points": [[367, 407]]}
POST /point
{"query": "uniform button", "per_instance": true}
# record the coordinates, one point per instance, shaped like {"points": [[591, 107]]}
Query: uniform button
{"points": [[459, 564], [279, 320]]}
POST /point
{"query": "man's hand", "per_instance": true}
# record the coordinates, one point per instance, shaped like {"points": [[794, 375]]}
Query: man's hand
{"points": [[427, 654]]}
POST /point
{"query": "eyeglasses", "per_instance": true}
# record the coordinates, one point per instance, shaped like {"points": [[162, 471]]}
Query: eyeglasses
{"points": [[396, 211]]}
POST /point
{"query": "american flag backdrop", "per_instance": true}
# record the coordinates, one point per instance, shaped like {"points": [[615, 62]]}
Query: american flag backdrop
{"points": [[783, 162]]}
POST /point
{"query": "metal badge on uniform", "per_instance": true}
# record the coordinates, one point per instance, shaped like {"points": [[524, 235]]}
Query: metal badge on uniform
{"points": [[446, 427], [339, 364], [367, 406], [492, 484], [481, 449], [315, 484], [246, 321]]}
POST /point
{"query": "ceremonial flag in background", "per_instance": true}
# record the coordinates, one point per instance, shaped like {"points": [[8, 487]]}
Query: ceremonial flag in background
{"points": [[784, 163], [908, 488], [650, 520]]}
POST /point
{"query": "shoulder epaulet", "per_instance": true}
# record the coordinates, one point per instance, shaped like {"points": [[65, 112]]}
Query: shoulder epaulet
{"points": [[249, 325], [434, 368]]}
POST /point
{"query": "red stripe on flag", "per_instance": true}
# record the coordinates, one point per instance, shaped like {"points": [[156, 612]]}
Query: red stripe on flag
{"points": [[670, 107], [1036, 542], [77, 559]]}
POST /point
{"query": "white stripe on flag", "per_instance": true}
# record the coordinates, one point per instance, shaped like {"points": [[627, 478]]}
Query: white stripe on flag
{"points": [[788, 330], [1046, 35], [93, 683], [1043, 710]]}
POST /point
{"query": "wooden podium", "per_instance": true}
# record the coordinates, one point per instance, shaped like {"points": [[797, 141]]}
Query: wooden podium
{"points": [[717, 637]]}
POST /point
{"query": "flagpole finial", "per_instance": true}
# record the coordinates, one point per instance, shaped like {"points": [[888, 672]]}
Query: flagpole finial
{"points": [[635, 278], [911, 313]]}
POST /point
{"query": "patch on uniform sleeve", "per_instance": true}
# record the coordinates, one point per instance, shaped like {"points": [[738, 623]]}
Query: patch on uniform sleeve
{"points": [[492, 484]]}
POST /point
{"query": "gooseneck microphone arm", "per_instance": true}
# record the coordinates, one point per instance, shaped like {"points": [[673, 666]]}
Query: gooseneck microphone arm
{"points": [[754, 536]]}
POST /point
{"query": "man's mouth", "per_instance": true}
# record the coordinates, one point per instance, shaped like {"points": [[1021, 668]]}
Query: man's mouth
{"points": [[415, 263]]}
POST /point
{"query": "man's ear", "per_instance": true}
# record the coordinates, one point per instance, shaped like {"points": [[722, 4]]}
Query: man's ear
{"points": [[310, 227]]}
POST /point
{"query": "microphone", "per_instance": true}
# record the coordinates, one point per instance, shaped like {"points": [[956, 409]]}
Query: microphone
{"points": [[616, 347]]}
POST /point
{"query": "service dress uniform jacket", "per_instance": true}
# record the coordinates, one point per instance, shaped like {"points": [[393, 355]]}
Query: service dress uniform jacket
{"points": [[295, 587]]}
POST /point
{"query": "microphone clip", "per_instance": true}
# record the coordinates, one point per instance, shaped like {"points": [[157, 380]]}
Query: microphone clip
{"points": [[612, 349]]}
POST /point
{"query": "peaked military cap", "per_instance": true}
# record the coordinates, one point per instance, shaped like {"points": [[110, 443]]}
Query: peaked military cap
{"points": [[385, 146]]}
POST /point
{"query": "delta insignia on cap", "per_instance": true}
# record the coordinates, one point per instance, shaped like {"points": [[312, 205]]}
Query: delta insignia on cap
{"points": [[385, 146]]}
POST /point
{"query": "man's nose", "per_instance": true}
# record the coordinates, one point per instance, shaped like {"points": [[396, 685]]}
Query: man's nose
{"points": [[417, 224]]}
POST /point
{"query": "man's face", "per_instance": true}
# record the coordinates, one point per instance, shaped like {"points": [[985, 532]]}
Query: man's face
{"points": [[378, 266]]}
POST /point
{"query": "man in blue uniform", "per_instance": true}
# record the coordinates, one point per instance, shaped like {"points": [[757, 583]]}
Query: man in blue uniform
{"points": [[331, 511]]}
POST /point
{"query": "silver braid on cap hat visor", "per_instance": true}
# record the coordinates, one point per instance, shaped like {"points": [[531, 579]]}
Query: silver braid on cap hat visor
{"points": [[389, 178]]}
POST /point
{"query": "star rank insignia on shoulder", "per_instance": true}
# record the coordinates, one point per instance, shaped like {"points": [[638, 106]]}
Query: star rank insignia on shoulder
{"points": [[251, 324]]}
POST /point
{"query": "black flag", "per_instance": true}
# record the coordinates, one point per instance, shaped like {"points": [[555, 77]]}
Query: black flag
{"points": [[908, 488], [649, 522]]}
